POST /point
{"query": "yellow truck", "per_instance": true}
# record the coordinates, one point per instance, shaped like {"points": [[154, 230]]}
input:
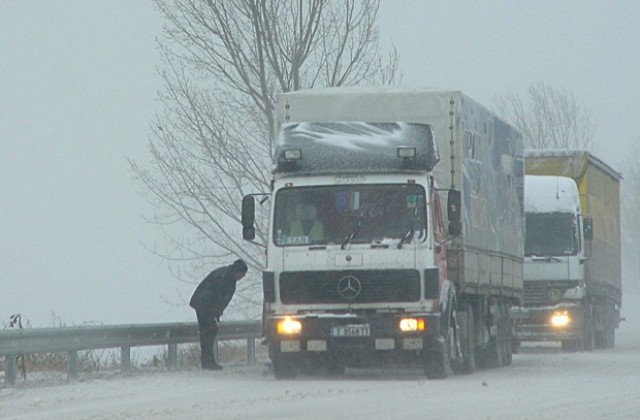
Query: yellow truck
{"points": [[572, 268]]}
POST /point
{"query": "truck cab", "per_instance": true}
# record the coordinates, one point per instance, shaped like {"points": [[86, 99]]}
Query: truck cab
{"points": [[356, 263], [556, 248], [572, 275]]}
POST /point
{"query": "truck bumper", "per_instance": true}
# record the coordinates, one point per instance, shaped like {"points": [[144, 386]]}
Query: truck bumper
{"points": [[355, 341], [548, 323]]}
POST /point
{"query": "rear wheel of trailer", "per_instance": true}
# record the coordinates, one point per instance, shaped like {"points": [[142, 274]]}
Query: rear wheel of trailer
{"points": [[499, 351]]}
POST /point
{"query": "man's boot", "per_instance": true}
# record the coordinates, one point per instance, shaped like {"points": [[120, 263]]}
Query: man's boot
{"points": [[211, 365]]}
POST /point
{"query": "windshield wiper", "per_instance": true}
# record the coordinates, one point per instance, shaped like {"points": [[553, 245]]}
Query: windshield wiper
{"points": [[408, 236], [353, 233]]}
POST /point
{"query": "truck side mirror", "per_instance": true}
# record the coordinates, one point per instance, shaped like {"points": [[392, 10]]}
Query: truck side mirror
{"points": [[248, 217], [455, 228], [453, 206], [587, 227], [454, 201]]}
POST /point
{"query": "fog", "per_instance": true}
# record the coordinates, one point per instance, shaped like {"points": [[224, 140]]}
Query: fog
{"points": [[78, 85]]}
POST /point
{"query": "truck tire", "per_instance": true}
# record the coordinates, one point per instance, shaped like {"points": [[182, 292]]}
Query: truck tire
{"points": [[569, 346], [322, 366], [494, 355], [589, 330], [335, 369], [284, 368], [508, 339], [605, 338], [588, 340], [438, 363], [467, 364], [284, 365], [515, 346], [611, 337]]}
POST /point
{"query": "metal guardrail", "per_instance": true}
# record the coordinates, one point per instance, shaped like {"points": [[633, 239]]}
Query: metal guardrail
{"points": [[16, 342]]}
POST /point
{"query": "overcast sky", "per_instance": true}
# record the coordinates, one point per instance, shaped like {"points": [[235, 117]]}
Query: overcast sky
{"points": [[78, 92]]}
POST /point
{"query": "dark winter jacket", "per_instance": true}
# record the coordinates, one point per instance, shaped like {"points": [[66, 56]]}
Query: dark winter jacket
{"points": [[214, 292]]}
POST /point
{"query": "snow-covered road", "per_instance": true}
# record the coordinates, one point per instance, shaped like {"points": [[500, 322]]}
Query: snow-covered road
{"points": [[542, 383]]}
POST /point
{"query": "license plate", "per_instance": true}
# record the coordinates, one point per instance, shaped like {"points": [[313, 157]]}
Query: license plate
{"points": [[412, 344], [351, 331], [289, 346]]}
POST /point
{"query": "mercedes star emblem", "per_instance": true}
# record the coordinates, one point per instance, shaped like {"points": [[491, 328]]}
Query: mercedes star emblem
{"points": [[349, 287]]}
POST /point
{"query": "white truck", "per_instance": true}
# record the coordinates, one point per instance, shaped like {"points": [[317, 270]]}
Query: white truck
{"points": [[396, 232], [572, 272]]}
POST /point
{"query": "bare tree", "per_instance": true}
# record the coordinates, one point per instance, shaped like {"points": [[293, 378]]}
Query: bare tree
{"points": [[550, 119], [223, 62]]}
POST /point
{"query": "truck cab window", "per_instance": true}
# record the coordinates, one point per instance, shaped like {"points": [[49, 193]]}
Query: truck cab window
{"points": [[550, 234], [330, 214]]}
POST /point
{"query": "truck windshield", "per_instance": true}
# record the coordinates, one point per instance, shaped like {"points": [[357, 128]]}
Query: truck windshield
{"points": [[350, 214], [550, 234]]}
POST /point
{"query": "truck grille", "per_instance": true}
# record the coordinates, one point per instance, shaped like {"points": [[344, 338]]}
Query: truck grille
{"points": [[366, 286], [538, 293]]}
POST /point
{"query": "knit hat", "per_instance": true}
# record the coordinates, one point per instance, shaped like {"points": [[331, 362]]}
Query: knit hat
{"points": [[239, 266]]}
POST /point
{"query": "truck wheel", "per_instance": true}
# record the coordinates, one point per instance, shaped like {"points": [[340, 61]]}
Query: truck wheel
{"points": [[572, 346], [612, 322], [568, 345], [467, 343], [438, 363], [493, 356], [589, 331], [508, 334], [515, 346], [284, 367], [335, 369], [611, 337], [605, 338]]}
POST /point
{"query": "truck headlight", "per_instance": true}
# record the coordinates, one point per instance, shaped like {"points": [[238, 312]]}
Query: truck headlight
{"points": [[288, 326], [411, 324], [560, 319]]}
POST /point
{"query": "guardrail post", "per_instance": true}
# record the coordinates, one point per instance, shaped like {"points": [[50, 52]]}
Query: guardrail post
{"points": [[251, 351], [10, 369], [73, 363], [125, 358], [172, 362]]}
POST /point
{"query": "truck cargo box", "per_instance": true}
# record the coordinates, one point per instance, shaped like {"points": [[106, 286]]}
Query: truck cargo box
{"points": [[480, 155]]}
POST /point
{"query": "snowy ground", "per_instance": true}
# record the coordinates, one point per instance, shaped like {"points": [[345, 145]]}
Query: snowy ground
{"points": [[542, 383]]}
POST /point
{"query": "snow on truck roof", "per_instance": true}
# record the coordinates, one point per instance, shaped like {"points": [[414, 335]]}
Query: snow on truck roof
{"points": [[550, 194], [355, 147], [575, 161]]}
